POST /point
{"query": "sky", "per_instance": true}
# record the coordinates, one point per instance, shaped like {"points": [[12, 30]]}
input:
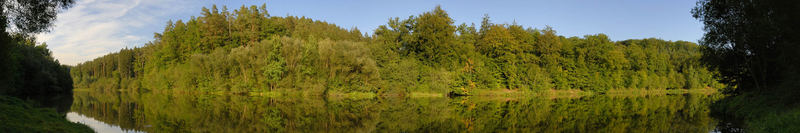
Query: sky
{"points": [[92, 28]]}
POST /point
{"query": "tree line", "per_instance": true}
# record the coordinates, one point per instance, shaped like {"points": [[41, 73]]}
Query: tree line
{"points": [[249, 50]]}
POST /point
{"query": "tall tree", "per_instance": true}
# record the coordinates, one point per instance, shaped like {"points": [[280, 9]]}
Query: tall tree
{"points": [[30, 16], [753, 44], [28, 69], [433, 36]]}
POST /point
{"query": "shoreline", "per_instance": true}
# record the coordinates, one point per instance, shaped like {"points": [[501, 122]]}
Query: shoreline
{"points": [[550, 93]]}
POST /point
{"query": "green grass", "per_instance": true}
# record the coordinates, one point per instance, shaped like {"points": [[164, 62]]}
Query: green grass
{"points": [[783, 122], [19, 116], [767, 113]]}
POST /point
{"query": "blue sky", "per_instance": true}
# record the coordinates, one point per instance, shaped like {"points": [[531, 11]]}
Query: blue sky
{"points": [[92, 28]]}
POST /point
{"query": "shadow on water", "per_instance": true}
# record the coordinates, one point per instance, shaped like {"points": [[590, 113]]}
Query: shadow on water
{"points": [[60, 102], [159, 112], [728, 124]]}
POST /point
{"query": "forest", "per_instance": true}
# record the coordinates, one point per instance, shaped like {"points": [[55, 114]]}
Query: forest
{"points": [[248, 50]]}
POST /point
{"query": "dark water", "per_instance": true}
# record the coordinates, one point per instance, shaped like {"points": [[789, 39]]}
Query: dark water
{"points": [[158, 112]]}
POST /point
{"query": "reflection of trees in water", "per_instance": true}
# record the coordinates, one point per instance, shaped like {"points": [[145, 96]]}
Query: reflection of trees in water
{"points": [[60, 102], [591, 114], [227, 113]]}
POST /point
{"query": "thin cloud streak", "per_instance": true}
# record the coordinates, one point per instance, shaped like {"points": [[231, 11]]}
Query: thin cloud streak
{"points": [[93, 28]]}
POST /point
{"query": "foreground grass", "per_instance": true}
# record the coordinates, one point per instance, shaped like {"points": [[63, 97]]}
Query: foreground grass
{"points": [[19, 116], [780, 122], [767, 113]]}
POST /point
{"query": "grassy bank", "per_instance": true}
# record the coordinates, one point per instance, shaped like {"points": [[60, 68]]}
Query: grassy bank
{"points": [[573, 93], [19, 116], [768, 113]]}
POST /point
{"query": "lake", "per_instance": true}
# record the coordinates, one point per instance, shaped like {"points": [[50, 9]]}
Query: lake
{"points": [[169, 112]]}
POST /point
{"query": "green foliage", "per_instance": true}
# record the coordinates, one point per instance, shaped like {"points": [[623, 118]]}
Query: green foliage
{"points": [[759, 112], [274, 71], [752, 46], [27, 68], [31, 69], [432, 36], [25, 16], [248, 50]]}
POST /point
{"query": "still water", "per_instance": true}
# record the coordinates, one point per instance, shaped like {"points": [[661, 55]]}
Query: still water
{"points": [[160, 112]]}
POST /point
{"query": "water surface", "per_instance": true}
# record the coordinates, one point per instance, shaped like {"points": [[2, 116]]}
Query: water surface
{"points": [[160, 112]]}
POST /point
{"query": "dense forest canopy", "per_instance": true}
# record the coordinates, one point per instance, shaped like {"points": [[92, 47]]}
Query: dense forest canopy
{"points": [[248, 50]]}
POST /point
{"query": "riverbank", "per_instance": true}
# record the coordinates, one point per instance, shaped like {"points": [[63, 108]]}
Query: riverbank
{"points": [[550, 93], [19, 116], [769, 112], [656, 92]]}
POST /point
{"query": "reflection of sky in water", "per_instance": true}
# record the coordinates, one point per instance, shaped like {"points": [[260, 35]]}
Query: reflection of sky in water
{"points": [[98, 126]]}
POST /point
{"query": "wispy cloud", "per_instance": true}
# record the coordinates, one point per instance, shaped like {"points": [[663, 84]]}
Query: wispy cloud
{"points": [[93, 28]]}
